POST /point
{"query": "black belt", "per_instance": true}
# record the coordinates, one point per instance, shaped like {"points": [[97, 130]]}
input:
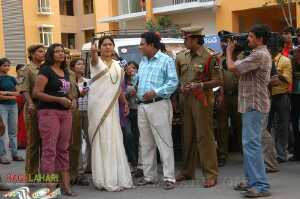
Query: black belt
{"points": [[157, 99], [231, 92]]}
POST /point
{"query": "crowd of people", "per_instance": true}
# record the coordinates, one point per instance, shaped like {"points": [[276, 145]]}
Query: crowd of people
{"points": [[112, 123]]}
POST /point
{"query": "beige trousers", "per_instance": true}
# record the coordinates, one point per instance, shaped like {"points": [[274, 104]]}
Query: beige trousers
{"points": [[155, 125]]}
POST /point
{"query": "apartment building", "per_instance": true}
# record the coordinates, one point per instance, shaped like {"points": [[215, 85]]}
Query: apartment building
{"points": [[133, 14], [71, 22]]}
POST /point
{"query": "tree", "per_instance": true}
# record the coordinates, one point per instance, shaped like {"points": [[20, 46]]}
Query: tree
{"points": [[287, 13], [164, 24]]}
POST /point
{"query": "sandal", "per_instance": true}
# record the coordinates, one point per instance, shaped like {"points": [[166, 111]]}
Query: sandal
{"points": [[68, 193], [255, 194], [241, 187], [183, 178], [210, 183]]}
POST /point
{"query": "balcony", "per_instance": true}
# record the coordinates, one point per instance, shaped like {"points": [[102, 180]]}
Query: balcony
{"points": [[133, 9]]}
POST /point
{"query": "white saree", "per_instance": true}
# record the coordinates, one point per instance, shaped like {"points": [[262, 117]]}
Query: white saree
{"points": [[110, 169]]}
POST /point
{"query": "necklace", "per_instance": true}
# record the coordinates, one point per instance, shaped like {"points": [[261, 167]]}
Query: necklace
{"points": [[110, 75]]}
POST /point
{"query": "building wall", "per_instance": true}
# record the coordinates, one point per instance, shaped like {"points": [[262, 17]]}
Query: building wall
{"points": [[228, 11], [2, 51], [32, 21], [205, 18]]}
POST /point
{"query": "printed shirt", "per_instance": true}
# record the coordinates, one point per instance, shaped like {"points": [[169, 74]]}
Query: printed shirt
{"points": [[284, 68], [83, 101], [255, 73], [157, 74]]}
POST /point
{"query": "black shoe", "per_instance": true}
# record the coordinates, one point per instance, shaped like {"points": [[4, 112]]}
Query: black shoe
{"points": [[144, 182], [280, 161], [221, 162]]}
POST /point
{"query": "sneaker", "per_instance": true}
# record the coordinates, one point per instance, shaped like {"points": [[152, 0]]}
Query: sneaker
{"points": [[4, 160]]}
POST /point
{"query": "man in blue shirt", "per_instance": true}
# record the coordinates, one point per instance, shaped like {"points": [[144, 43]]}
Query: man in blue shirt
{"points": [[157, 79]]}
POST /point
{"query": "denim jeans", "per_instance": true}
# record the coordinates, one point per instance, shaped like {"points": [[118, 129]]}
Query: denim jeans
{"points": [[254, 167], [9, 114]]}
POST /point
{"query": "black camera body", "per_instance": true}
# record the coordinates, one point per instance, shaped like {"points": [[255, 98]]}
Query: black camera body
{"points": [[241, 41]]}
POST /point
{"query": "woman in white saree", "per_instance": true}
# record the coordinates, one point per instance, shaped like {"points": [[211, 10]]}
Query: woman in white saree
{"points": [[110, 169]]}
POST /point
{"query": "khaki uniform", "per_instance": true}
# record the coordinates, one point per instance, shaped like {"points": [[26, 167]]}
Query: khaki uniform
{"points": [[197, 118], [33, 152], [229, 110], [75, 143]]}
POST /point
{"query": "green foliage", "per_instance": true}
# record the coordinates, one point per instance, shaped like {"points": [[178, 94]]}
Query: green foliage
{"points": [[164, 24]]}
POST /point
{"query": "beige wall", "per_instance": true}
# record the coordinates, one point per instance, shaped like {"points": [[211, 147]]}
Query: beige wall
{"points": [[32, 20], [2, 51], [227, 16]]}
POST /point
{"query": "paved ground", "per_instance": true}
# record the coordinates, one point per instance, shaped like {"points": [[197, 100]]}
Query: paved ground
{"points": [[285, 185]]}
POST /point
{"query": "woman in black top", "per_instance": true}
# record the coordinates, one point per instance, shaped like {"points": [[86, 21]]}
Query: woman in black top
{"points": [[54, 116]]}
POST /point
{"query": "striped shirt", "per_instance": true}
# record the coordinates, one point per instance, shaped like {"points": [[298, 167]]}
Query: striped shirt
{"points": [[157, 74], [254, 80], [83, 101]]}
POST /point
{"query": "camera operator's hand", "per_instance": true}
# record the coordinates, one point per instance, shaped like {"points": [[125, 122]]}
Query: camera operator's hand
{"points": [[230, 47]]}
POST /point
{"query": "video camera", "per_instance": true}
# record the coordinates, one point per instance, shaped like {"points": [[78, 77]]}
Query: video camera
{"points": [[241, 41]]}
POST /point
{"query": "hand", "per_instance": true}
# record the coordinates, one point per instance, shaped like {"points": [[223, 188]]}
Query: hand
{"points": [[126, 110], [65, 102], [149, 95], [31, 108], [184, 89], [73, 104], [195, 86], [230, 47]]}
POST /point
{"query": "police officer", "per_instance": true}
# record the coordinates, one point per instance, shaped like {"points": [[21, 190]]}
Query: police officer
{"points": [[227, 107], [198, 73], [36, 55]]}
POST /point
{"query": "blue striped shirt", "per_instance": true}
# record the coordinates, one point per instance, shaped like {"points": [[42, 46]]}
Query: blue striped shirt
{"points": [[157, 74]]}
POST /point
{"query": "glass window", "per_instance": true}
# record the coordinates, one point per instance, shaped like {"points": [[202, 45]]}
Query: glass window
{"points": [[44, 6], [46, 36], [88, 6], [66, 7], [68, 40]]}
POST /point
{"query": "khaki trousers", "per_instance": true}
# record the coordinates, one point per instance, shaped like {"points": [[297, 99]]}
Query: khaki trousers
{"points": [[199, 141], [155, 125]]}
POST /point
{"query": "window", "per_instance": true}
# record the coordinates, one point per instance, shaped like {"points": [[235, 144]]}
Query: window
{"points": [[66, 7], [88, 6], [44, 6], [89, 34], [46, 36], [68, 40]]}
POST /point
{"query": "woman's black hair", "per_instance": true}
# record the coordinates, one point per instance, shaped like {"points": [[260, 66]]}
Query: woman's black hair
{"points": [[74, 61], [4, 60], [19, 66], [152, 38], [133, 63], [261, 31], [103, 38], [49, 58]]}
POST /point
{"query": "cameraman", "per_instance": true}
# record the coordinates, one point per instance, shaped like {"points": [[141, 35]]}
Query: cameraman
{"points": [[254, 104]]}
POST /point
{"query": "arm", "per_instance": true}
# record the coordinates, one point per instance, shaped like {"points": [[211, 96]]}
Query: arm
{"points": [[4, 96], [39, 93], [123, 100], [171, 81]]}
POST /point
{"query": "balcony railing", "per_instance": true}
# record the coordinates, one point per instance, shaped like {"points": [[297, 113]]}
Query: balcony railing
{"points": [[189, 1]]}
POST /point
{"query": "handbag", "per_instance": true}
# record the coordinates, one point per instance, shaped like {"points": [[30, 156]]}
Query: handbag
{"points": [[2, 127]]}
